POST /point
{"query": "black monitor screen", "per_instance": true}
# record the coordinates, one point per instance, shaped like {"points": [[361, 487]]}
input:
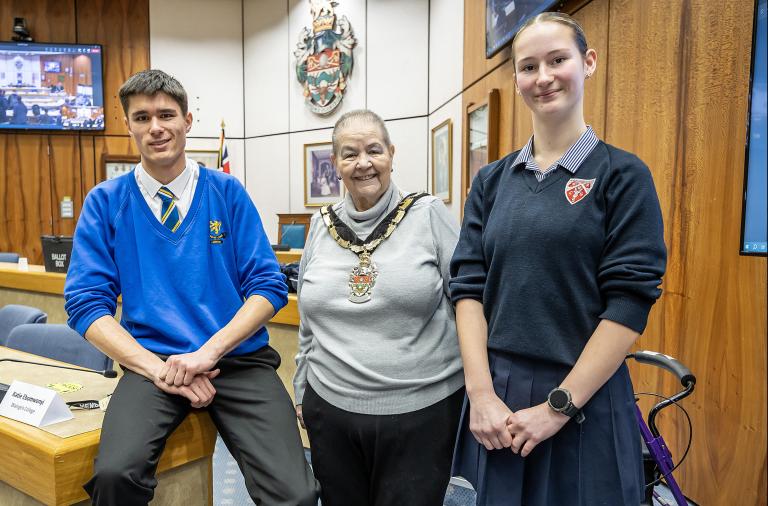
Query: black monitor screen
{"points": [[51, 86], [503, 18], [755, 225]]}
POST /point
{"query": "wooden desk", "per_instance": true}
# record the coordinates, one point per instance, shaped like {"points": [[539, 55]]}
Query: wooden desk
{"points": [[39, 468], [37, 281]]}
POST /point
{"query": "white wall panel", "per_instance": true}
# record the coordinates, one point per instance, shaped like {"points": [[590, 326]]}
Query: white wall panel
{"points": [[398, 51], [296, 163], [410, 139], [446, 50], [267, 67], [200, 43], [299, 16], [235, 150], [450, 110], [268, 179]]}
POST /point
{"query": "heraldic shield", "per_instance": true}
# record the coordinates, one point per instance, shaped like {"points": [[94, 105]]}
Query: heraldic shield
{"points": [[324, 57], [324, 78], [577, 189]]}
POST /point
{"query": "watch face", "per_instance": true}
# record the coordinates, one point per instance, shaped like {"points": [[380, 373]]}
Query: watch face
{"points": [[558, 399]]}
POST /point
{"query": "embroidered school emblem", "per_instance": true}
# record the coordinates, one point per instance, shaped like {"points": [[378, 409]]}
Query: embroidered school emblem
{"points": [[577, 189], [216, 235], [324, 57]]}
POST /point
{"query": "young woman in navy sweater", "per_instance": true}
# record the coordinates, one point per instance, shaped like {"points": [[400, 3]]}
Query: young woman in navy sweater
{"points": [[559, 261]]}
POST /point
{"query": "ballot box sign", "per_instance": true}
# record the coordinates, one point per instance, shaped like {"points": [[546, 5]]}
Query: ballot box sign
{"points": [[57, 249], [34, 405]]}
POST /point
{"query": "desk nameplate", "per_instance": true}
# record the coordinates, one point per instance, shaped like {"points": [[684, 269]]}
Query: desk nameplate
{"points": [[34, 405]]}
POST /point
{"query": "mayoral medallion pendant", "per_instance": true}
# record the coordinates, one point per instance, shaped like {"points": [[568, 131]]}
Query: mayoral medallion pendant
{"points": [[361, 279]]}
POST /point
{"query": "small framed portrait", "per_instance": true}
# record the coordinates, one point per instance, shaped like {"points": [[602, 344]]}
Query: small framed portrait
{"points": [[113, 166], [208, 159], [321, 186], [482, 138], [442, 160]]}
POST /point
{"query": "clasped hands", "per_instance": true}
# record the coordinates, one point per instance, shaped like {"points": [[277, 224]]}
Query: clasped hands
{"points": [[495, 426], [189, 375]]}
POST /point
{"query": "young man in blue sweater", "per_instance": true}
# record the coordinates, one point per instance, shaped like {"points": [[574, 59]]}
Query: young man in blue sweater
{"points": [[185, 248]]}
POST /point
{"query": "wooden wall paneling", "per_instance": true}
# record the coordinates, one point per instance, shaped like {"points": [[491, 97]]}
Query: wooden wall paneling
{"points": [[593, 18], [122, 28], [26, 198], [87, 164], [687, 122], [47, 20], [111, 145], [66, 180], [475, 64], [725, 320]]}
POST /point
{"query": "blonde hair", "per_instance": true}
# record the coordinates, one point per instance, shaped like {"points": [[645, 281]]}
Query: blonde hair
{"points": [[556, 17]]}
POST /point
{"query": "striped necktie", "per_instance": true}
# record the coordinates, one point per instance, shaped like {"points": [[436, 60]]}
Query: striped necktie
{"points": [[169, 215]]}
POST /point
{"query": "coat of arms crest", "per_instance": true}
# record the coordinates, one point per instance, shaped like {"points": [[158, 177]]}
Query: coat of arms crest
{"points": [[324, 57]]}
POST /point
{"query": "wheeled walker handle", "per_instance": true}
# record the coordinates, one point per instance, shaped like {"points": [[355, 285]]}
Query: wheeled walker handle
{"points": [[684, 374]]}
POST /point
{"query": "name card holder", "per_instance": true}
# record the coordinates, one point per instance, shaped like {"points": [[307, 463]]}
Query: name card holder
{"points": [[34, 405]]}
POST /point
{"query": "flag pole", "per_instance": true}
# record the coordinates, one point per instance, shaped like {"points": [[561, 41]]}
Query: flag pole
{"points": [[221, 145]]}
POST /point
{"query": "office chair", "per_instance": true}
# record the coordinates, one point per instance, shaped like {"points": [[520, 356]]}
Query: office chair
{"points": [[59, 342], [9, 257], [293, 235], [14, 315]]}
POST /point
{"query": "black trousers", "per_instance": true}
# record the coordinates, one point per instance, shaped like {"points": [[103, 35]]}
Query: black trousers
{"points": [[251, 410], [382, 460]]}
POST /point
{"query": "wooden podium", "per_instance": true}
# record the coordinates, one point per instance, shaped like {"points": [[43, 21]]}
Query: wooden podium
{"points": [[38, 467]]}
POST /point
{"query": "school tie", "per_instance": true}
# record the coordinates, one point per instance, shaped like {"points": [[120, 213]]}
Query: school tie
{"points": [[169, 215]]}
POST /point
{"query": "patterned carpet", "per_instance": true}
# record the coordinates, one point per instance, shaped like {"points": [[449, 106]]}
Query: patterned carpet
{"points": [[229, 485]]}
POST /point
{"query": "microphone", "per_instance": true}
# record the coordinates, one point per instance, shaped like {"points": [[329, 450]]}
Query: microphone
{"points": [[108, 373]]}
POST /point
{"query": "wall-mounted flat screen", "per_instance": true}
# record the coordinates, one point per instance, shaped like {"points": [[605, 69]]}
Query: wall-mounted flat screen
{"points": [[504, 17], [51, 86], [754, 230]]}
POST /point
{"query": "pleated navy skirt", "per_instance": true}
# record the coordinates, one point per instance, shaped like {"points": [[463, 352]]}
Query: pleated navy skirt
{"points": [[598, 462]]}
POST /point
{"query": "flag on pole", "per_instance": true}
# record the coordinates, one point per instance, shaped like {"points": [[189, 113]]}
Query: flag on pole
{"points": [[223, 154]]}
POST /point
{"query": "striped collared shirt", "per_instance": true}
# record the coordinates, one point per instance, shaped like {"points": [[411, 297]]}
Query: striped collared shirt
{"points": [[571, 159]]}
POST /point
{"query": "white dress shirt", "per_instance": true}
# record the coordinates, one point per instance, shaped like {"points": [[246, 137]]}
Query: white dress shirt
{"points": [[183, 187]]}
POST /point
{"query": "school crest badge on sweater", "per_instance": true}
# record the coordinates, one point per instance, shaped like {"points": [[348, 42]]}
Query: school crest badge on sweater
{"points": [[577, 189], [216, 235]]}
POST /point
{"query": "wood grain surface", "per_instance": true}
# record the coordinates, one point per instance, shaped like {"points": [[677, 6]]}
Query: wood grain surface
{"points": [[66, 163], [671, 86]]}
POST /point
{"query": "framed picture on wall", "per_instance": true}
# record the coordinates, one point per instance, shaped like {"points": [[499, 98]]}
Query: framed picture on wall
{"points": [[320, 184], [207, 158], [113, 166], [442, 160], [482, 138]]}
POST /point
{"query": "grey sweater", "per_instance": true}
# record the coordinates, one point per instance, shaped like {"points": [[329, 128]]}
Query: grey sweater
{"points": [[399, 351]]}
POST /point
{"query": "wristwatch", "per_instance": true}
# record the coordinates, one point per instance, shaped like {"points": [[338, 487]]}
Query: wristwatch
{"points": [[559, 399]]}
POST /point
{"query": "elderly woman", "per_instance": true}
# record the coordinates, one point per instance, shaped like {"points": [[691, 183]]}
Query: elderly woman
{"points": [[379, 381]]}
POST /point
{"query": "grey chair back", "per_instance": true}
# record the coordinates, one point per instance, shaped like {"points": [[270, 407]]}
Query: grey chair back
{"points": [[9, 257], [14, 315], [59, 342]]}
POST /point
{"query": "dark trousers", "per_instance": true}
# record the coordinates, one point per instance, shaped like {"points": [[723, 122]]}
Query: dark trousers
{"points": [[252, 412], [382, 460]]}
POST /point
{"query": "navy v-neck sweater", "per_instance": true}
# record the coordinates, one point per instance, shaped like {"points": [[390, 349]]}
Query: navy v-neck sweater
{"points": [[550, 259], [178, 288]]}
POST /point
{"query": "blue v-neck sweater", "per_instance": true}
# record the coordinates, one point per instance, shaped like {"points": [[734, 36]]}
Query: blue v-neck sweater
{"points": [[179, 288]]}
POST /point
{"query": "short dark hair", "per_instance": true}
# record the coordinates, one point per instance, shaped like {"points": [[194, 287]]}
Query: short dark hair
{"points": [[151, 82]]}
